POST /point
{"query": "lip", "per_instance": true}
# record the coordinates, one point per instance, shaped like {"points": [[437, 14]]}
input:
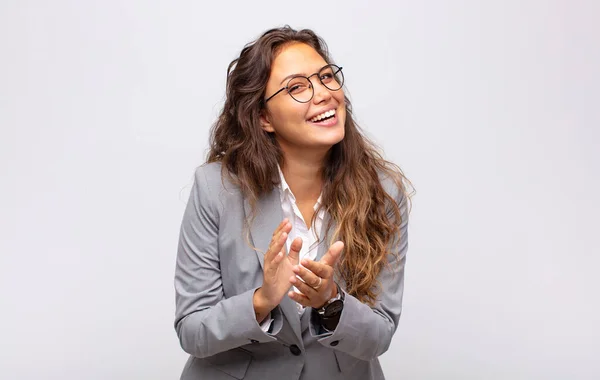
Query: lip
{"points": [[327, 123], [322, 111]]}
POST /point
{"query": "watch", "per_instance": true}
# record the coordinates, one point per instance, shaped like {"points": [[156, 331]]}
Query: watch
{"points": [[330, 312]]}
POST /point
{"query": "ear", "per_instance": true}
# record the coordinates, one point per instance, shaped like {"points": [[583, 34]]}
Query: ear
{"points": [[265, 121]]}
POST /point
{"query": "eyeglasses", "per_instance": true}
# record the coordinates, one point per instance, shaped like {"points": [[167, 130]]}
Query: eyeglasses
{"points": [[301, 88]]}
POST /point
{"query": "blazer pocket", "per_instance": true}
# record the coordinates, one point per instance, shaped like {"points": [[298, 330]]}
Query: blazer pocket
{"points": [[234, 362]]}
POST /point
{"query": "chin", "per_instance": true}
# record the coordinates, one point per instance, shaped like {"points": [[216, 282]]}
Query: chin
{"points": [[332, 140]]}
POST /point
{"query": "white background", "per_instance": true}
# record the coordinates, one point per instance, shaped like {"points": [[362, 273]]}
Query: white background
{"points": [[490, 107]]}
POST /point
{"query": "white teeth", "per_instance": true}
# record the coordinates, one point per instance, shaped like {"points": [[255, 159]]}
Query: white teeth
{"points": [[323, 115]]}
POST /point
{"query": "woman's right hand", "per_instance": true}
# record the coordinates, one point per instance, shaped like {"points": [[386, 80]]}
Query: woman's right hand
{"points": [[277, 270]]}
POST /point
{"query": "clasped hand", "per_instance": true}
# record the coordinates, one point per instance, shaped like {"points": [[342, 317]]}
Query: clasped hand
{"points": [[314, 280]]}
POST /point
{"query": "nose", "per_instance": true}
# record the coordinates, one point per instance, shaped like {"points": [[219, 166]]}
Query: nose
{"points": [[321, 93]]}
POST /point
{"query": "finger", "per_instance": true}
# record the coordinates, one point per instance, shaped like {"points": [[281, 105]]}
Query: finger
{"points": [[276, 246], [304, 288], [306, 275], [333, 254], [277, 259], [300, 298], [285, 226], [280, 227], [295, 248], [319, 269]]}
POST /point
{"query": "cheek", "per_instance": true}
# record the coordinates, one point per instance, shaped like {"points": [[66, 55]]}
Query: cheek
{"points": [[342, 100], [340, 96], [291, 114]]}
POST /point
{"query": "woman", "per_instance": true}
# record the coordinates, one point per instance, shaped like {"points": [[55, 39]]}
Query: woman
{"points": [[291, 256]]}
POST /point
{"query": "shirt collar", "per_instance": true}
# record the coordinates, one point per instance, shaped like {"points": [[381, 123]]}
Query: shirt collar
{"points": [[284, 187]]}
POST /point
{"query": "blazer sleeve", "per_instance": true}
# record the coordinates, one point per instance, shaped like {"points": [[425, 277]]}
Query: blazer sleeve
{"points": [[206, 322], [366, 332]]}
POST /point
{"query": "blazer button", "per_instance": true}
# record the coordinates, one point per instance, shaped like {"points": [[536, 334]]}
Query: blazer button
{"points": [[253, 341], [334, 343], [295, 350]]}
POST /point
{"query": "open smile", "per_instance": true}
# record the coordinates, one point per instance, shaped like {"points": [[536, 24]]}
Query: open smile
{"points": [[325, 119]]}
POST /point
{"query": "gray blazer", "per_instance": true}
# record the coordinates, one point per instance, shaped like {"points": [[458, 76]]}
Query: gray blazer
{"points": [[217, 273]]}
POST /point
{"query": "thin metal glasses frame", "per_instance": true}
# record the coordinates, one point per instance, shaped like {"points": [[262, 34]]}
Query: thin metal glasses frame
{"points": [[336, 70]]}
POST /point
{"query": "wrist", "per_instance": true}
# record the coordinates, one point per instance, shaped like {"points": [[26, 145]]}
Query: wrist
{"points": [[261, 305], [334, 294], [331, 312]]}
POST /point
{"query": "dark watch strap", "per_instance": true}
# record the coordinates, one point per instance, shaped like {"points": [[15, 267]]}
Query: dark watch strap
{"points": [[330, 313], [331, 323], [340, 296]]}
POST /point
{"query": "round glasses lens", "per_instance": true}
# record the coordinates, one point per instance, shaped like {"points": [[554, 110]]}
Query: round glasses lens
{"points": [[332, 77], [300, 89]]}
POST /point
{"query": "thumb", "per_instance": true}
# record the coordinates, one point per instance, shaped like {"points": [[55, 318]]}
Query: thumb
{"points": [[333, 254], [295, 248]]}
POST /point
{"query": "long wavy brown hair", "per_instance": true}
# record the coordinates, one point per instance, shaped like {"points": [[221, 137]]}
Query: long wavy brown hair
{"points": [[366, 217]]}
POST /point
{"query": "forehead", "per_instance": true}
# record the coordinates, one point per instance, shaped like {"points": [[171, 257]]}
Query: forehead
{"points": [[297, 58]]}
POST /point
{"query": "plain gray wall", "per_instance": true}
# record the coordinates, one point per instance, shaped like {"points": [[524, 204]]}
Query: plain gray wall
{"points": [[491, 108]]}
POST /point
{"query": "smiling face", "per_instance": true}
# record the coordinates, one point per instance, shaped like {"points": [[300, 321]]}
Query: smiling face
{"points": [[296, 125]]}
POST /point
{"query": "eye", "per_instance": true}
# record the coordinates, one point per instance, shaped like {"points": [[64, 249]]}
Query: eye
{"points": [[297, 86], [327, 75]]}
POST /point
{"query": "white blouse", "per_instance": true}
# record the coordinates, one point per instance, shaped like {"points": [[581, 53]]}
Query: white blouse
{"points": [[299, 229]]}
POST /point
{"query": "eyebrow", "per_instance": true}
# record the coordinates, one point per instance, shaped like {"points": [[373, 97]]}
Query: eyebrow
{"points": [[301, 74], [291, 76]]}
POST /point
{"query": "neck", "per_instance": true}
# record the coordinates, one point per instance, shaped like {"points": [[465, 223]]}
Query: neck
{"points": [[304, 176]]}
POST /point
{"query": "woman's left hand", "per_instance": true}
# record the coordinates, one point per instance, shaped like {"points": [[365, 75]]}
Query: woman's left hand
{"points": [[317, 285]]}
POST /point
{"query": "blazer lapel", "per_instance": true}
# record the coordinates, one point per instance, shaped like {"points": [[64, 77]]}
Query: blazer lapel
{"points": [[268, 217], [324, 238]]}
